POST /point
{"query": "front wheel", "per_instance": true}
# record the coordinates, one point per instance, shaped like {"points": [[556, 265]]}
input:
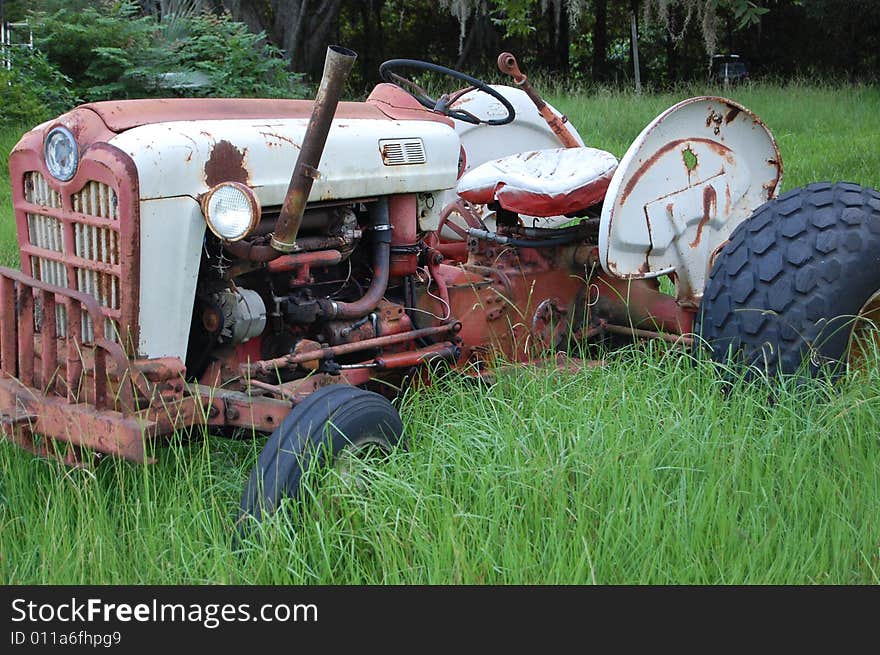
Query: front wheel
{"points": [[334, 421], [798, 283]]}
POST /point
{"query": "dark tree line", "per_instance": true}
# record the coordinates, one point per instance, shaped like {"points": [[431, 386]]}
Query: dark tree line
{"points": [[588, 40]]}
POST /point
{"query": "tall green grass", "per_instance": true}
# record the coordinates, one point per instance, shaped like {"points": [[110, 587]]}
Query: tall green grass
{"points": [[8, 248], [650, 469]]}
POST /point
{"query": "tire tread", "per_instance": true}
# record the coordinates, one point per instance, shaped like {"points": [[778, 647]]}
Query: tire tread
{"points": [[811, 254]]}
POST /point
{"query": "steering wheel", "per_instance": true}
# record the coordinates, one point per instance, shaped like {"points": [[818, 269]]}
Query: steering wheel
{"points": [[442, 105]]}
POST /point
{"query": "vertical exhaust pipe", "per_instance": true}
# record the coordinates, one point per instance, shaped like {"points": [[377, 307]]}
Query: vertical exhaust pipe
{"points": [[337, 66]]}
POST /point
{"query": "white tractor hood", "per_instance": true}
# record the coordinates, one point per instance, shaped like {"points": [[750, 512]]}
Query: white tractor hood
{"points": [[362, 158]]}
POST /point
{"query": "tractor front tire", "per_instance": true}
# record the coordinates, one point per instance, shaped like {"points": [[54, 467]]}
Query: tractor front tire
{"points": [[794, 280], [333, 420]]}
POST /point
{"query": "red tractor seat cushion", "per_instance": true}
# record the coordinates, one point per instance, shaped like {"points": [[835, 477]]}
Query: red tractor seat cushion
{"points": [[541, 182]]}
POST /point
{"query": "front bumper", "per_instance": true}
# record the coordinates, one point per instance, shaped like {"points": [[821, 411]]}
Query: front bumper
{"points": [[62, 390], [86, 394]]}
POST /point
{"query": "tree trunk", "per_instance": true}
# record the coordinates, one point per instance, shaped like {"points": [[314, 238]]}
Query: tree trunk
{"points": [[562, 40], [671, 73], [318, 26], [367, 27], [672, 26], [373, 47], [600, 40], [302, 28], [254, 14], [481, 45]]}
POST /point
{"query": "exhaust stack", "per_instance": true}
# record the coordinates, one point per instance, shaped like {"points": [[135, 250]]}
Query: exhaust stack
{"points": [[337, 66]]}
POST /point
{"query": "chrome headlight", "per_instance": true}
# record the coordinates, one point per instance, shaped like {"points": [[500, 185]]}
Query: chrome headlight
{"points": [[231, 210], [61, 153]]}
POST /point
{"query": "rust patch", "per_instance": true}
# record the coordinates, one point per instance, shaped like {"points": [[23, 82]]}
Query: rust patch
{"points": [[770, 187], [718, 148], [710, 202], [732, 114], [226, 164], [714, 120], [269, 136]]}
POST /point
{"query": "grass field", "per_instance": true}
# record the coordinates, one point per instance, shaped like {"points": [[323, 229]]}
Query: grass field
{"points": [[643, 471]]}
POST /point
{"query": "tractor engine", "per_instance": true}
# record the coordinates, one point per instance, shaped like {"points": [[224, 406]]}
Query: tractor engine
{"points": [[353, 279]]}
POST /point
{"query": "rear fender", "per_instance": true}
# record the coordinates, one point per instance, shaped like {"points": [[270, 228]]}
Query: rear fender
{"points": [[693, 174]]}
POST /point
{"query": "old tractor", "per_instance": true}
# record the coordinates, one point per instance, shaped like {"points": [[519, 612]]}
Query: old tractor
{"points": [[285, 266]]}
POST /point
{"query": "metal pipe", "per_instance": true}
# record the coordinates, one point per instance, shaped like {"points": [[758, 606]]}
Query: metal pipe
{"points": [[337, 66], [310, 258], [553, 242], [677, 339], [410, 358], [332, 309], [287, 361], [507, 64], [261, 253]]}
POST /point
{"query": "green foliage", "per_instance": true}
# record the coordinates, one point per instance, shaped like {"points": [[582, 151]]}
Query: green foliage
{"points": [[110, 51], [514, 16], [32, 89], [236, 61], [746, 13]]}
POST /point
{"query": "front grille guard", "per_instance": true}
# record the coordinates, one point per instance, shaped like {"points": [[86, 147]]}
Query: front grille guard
{"points": [[21, 345], [88, 394]]}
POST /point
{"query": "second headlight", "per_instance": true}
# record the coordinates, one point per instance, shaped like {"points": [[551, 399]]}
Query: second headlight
{"points": [[231, 210]]}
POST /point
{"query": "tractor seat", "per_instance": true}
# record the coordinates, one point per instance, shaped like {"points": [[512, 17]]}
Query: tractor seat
{"points": [[541, 182]]}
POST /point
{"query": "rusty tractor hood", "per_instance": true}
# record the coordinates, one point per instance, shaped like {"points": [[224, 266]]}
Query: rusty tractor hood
{"points": [[182, 147], [367, 153]]}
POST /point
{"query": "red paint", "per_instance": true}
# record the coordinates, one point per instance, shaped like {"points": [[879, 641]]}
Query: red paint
{"points": [[286, 263], [249, 351], [402, 210], [386, 102], [533, 203], [410, 358], [396, 104], [100, 163]]}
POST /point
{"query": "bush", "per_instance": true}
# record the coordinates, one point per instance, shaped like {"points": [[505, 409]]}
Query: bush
{"points": [[237, 61], [110, 51], [33, 89]]}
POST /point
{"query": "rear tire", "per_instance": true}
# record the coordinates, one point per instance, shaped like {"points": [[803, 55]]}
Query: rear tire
{"points": [[786, 290], [331, 420]]}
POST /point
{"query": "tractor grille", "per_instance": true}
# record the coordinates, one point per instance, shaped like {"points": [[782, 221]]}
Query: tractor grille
{"points": [[88, 259], [399, 152]]}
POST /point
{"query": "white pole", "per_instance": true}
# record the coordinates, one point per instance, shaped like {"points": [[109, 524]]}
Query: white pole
{"points": [[635, 46]]}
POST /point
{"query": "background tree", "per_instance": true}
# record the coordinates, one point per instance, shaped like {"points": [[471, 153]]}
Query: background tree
{"points": [[571, 41], [301, 28]]}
